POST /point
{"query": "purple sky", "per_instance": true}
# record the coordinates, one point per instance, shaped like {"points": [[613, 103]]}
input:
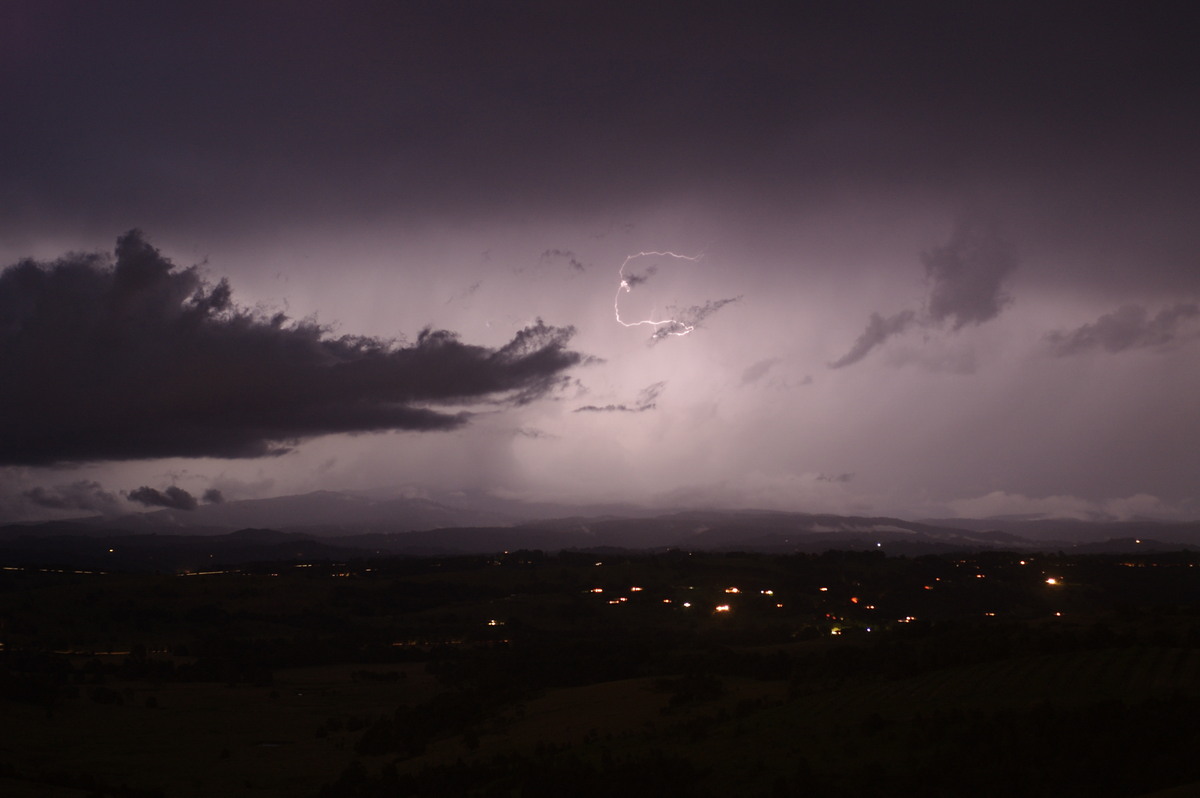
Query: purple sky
{"points": [[943, 256]]}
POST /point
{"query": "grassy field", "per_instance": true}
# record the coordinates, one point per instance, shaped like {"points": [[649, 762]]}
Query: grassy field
{"points": [[205, 739]]}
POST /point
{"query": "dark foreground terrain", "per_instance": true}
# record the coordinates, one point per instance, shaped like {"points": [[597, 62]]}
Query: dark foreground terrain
{"points": [[601, 674]]}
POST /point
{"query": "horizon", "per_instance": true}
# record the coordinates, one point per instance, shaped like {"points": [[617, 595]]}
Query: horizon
{"points": [[182, 508]]}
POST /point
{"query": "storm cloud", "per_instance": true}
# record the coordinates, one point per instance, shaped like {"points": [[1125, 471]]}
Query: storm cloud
{"points": [[134, 358], [966, 279], [393, 165], [1128, 327], [173, 498]]}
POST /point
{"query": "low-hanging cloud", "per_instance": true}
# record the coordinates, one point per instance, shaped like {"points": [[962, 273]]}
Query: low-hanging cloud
{"points": [[966, 280], [1128, 327], [1001, 504], [80, 495], [173, 498], [135, 358]]}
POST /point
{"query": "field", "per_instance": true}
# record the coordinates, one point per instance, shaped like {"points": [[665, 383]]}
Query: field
{"points": [[531, 676]]}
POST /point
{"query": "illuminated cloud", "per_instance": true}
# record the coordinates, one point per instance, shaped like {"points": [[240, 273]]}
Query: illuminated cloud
{"points": [[634, 279], [1128, 327], [999, 504], [805, 492], [679, 322], [691, 317], [138, 359]]}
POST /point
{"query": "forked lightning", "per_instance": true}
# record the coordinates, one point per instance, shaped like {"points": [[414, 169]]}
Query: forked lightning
{"points": [[672, 326]]}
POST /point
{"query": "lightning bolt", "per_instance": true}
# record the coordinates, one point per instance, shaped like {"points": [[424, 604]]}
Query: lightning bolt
{"points": [[663, 326]]}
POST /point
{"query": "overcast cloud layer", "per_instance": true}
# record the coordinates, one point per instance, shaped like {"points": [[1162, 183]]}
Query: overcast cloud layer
{"points": [[949, 249]]}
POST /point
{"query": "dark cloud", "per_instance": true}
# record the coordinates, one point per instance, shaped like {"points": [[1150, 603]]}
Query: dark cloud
{"points": [[966, 277], [1129, 327], [174, 498], [566, 254], [213, 496], [681, 321], [966, 280], [139, 359], [835, 477], [81, 495], [694, 315], [690, 318], [384, 103], [647, 399], [878, 330], [630, 280]]}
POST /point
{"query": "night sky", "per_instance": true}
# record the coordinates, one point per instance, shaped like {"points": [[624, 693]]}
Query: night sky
{"points": [[941, 258]]}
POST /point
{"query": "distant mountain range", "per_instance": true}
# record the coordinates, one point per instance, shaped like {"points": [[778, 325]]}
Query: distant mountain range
{"points": [[328, 525], [329, 514]]}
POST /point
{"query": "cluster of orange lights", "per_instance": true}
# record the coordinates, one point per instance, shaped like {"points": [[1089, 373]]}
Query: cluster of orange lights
{"points": [[722, 608], [1052, 581]]}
